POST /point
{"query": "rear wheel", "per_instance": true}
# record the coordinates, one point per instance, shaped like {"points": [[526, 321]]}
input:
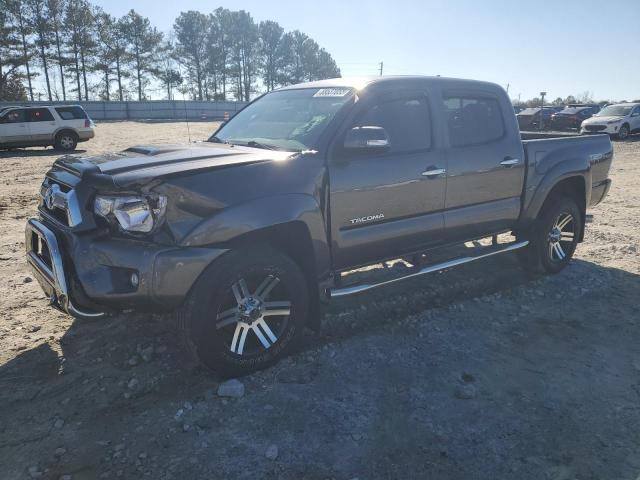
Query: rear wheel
{"points": [[623, 133], [554, 236], [245, 312], [66, 141]]}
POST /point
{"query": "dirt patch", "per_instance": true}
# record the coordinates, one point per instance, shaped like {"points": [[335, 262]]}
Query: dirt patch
{"points": [[480, 372]]}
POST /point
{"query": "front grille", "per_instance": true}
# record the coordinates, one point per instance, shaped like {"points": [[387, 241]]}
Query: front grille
{"points": [[59, 202], [595, 128]]}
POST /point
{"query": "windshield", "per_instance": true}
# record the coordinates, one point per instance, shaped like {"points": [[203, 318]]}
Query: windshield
{"points": [[615, 111], [286, 119]]}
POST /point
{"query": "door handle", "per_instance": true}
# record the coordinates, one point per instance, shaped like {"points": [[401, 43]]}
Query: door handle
{"points": [[510, 162], [433, 172]]}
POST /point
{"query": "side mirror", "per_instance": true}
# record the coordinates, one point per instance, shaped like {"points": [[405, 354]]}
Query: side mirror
{"points": [[367, 138]]}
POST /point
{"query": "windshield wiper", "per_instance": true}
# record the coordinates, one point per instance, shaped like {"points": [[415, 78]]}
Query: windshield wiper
{"points": [[266, 146]]}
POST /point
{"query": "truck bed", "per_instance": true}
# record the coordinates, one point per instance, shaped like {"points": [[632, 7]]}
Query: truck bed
{"points": [[544, 151]]}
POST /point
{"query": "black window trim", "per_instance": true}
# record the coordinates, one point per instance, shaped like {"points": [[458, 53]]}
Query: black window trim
{"points": [[474, 95], [392, 97]]}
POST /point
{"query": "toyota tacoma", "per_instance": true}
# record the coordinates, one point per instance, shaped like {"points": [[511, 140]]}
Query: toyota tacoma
{"points": [[246, 235]]}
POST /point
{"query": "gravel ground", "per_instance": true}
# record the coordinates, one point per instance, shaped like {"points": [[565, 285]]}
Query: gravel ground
{"points": [[483, 372]]}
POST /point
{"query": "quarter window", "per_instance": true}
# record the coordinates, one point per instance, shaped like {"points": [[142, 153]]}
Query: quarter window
{"points": [[405, 120], [71, 113], [473, 120], [39, 115]]}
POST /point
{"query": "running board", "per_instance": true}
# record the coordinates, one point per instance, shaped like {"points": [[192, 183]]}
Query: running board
{"points": [[343, 292]]}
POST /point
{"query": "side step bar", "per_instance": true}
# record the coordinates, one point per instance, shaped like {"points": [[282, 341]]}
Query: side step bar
{"points": [[343, 292]]}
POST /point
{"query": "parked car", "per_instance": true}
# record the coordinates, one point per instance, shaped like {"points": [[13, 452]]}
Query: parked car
{"points": [[244, 236], [529, 118], [60, 126], [619, 120], [571, 117], [596, 107]]}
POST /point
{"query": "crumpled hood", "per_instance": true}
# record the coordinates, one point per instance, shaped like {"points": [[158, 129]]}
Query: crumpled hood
{"points": [[598, 120], [145, 162]]}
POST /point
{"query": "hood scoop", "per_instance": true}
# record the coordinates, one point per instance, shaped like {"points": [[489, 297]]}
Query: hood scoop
{"points": [[152, 150]]}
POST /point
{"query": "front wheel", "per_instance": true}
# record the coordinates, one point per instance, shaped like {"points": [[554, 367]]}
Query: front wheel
{"points": [[554, 236], [245, 312], [623, 133]]}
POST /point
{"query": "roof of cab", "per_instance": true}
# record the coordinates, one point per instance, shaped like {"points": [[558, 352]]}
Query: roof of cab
{"points": [[360, 83]]}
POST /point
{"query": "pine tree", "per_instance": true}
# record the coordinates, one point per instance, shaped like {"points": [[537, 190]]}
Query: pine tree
{"points": [[191, 45], [56, 12], [144, 41], [39, 17]]}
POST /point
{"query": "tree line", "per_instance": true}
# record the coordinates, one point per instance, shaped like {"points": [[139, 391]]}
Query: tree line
{"points": [[584, 98], [73, 50]]}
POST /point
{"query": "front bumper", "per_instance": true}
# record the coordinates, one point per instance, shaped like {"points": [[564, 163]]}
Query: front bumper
{"points": [[88, 276], [45, 260], [602, 129]]}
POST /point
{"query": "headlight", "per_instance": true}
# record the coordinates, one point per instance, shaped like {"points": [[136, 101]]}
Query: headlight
{"points": [[133, 213], [611, 122]]}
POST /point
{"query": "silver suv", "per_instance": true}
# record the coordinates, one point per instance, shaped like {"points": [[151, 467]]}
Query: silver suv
{"points": [[60, 126]]}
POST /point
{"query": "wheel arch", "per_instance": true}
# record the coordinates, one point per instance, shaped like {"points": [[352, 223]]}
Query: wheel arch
{"points": [[573, 186], [65, 130], [290, 223]]}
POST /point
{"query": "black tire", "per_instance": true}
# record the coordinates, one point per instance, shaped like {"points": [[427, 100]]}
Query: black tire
{"points": [[553, 238], [624, 132], [213, 319], [66, 141]]}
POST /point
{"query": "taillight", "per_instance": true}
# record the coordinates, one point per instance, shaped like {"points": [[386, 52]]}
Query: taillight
{"points": [[87, 123]]}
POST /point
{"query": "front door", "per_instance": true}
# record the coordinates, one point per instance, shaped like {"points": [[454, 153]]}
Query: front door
{"points": [[485, 166], [388, 203], [41, 123], [14, 127], [634, 119]]}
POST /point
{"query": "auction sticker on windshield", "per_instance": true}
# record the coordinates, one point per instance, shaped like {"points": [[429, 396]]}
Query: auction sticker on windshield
{"points": [[332, 92]]}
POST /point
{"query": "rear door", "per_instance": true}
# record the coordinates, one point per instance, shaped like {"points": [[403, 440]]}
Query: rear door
{"points": [[485, 165], [41, 123], [14, 127], [383, 204]]}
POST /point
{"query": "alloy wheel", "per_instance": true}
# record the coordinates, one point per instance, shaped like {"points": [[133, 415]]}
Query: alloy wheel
{"points": [[254, 321], [561, 237], [623, 133]]}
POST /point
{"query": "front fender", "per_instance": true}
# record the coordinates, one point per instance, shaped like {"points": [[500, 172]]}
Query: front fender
{"points": [[238, 220]]}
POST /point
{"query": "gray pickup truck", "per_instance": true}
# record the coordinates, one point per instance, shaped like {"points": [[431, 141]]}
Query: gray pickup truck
{"points": [[246, 235]]}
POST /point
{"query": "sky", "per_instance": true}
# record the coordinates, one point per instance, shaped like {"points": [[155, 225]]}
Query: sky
{"points": [[563, 47]]}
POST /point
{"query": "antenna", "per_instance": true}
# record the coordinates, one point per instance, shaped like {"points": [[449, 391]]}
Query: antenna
{"points": [[381, 65], [184, 103]]}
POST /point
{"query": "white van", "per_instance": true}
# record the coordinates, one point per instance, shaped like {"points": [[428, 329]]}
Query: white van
{"points": [[60, 126]]}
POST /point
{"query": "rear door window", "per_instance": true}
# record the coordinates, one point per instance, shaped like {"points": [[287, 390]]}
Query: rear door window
{"points": [[39, 115], [473, 120], [406, 121], [71, 113]]}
